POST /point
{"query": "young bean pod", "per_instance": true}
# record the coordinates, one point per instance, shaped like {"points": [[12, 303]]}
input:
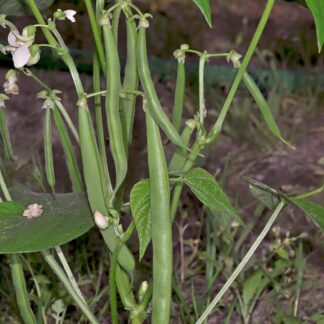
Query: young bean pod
{"points": [[71, 160], [115, 130], [161, 223], [48, 149], [154, 104], [179, 94], [131, 77]]}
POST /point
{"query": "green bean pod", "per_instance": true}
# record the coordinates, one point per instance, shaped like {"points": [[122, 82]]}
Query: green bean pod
{"points": [[161, 223], [131, 77], [48, 149], [70, 157], [154, 104], [179, 95], [115, 130], [91, 162], [4, 131]]}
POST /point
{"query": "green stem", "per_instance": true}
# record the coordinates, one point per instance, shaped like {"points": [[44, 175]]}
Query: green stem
{"points": [[242, 264], [112, 274], [255, 40], [96, 35], [202, 108], [178, 187], [19, 283], [49, 258]]}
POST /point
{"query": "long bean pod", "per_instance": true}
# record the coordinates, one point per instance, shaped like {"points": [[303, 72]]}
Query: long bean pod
{"points": [[116, 139], [131, 77], [48, 149], [71, 160], [161, 223], [155, 107]]}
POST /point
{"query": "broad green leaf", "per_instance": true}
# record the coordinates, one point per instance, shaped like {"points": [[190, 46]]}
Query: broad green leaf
{"points": [[20, 7], [208, 191], [204, 7], [314, 211], [140, 204], [317, 9], [65, 217], [268, 196]]}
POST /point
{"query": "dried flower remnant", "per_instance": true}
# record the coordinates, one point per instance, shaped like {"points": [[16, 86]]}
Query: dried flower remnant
{"points": [[33, 211], [10, 86], [3, 98]]}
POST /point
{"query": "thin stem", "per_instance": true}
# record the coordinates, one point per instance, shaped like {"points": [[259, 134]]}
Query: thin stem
{"points": [[96, 35], [98, 93], [19, 283], [49, 258], [202, 108], [242, 264], [178, 187], [4, 188], [255, 40], [112, 274], [68, 272]]}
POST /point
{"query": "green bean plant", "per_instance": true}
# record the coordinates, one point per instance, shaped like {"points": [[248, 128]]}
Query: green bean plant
{"points": [[42, 222]]}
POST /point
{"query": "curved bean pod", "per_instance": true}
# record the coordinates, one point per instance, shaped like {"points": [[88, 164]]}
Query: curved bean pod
{"points": [[154, 104]]}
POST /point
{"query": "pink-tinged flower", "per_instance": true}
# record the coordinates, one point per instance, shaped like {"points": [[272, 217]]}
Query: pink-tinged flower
{"points": [[70, 14], [19, 49], [33, 211]]}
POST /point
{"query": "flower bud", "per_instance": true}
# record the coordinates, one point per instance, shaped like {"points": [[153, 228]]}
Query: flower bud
{"points": [[29, 31], [100, 221], [142, 290], [191, 123], [34, 51]]}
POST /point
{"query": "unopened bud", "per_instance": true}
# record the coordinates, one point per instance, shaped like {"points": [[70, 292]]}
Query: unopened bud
{"points": [[142, 290], [100, 220]]}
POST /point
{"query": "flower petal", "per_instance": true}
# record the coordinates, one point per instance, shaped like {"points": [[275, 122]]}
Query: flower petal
{"points": [[21, 56], [70, 15], [12, 40]]}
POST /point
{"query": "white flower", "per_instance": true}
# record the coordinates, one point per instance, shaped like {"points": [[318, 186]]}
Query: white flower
{"points": [[33, 210], [20, 51], [70, 15]]}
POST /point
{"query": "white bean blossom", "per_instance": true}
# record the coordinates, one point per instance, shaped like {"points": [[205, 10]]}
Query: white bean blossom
{"points": [[33, 211]]}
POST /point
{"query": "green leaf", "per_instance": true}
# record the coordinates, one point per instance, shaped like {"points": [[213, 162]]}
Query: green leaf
{"points": [[65, 217], [251, 286], [268, 196], [314, 211], [263, 107], [204, 7], [317, 9], [208, 191], [140, 204], [20, 7]]}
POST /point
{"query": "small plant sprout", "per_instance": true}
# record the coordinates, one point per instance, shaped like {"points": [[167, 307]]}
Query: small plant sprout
{"points": [[100, 220], [33, 211]]}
